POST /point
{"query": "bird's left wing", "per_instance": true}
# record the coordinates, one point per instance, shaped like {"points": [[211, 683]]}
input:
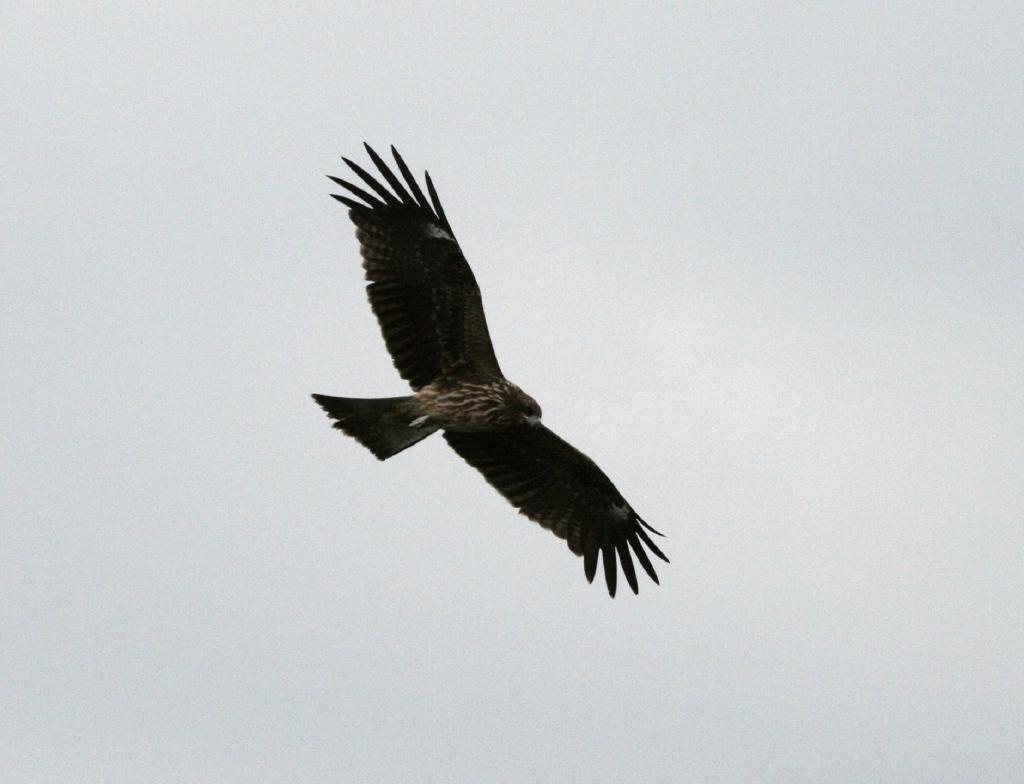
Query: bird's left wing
{"points": [[420, 286], [556, 485]]}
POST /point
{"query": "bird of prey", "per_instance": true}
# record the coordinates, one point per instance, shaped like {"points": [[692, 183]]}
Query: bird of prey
{"points": [[428, 304]]}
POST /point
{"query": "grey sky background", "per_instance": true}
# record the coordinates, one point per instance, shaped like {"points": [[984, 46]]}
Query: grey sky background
{"points": [[762, 262]]}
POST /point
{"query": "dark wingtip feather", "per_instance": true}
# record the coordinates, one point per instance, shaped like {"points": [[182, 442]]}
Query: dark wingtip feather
{"points": [[641, 556], [650, 528], [589, 558], [654, 548], [351, 203], [438, 209], [389, 175], [627, 565], [411, 181], [610, 573], [369, 179], [371, 200]]}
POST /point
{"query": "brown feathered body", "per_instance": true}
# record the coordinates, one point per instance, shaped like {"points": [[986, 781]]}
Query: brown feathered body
{"points": [[430, 312], [468, 400]]}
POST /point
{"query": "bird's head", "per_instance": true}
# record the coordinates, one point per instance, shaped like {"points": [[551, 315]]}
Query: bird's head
{"points": [[507, 405], [527, 408]]}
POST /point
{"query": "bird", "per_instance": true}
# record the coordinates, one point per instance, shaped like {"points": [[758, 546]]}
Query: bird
{"points": [[428, 305]]}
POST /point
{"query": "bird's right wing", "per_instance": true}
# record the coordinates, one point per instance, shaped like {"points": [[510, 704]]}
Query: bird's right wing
{"points": [[421, 288], [556, 485]]}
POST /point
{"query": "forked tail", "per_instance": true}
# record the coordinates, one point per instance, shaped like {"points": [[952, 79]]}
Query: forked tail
{"points": [[382, 425]]}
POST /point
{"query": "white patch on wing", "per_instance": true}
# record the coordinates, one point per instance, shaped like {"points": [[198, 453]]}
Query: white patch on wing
{"points": [[418, 421], [437, 232], [621, 512]]}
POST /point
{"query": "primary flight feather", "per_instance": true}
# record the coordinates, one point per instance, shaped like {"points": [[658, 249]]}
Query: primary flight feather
{"points": [[430, 312]]}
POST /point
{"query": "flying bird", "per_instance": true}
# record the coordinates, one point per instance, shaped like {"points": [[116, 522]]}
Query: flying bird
{"points": [[428, 304]]}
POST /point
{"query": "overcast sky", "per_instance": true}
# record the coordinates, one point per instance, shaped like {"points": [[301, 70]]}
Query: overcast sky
{"points": [[762, 262]]}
